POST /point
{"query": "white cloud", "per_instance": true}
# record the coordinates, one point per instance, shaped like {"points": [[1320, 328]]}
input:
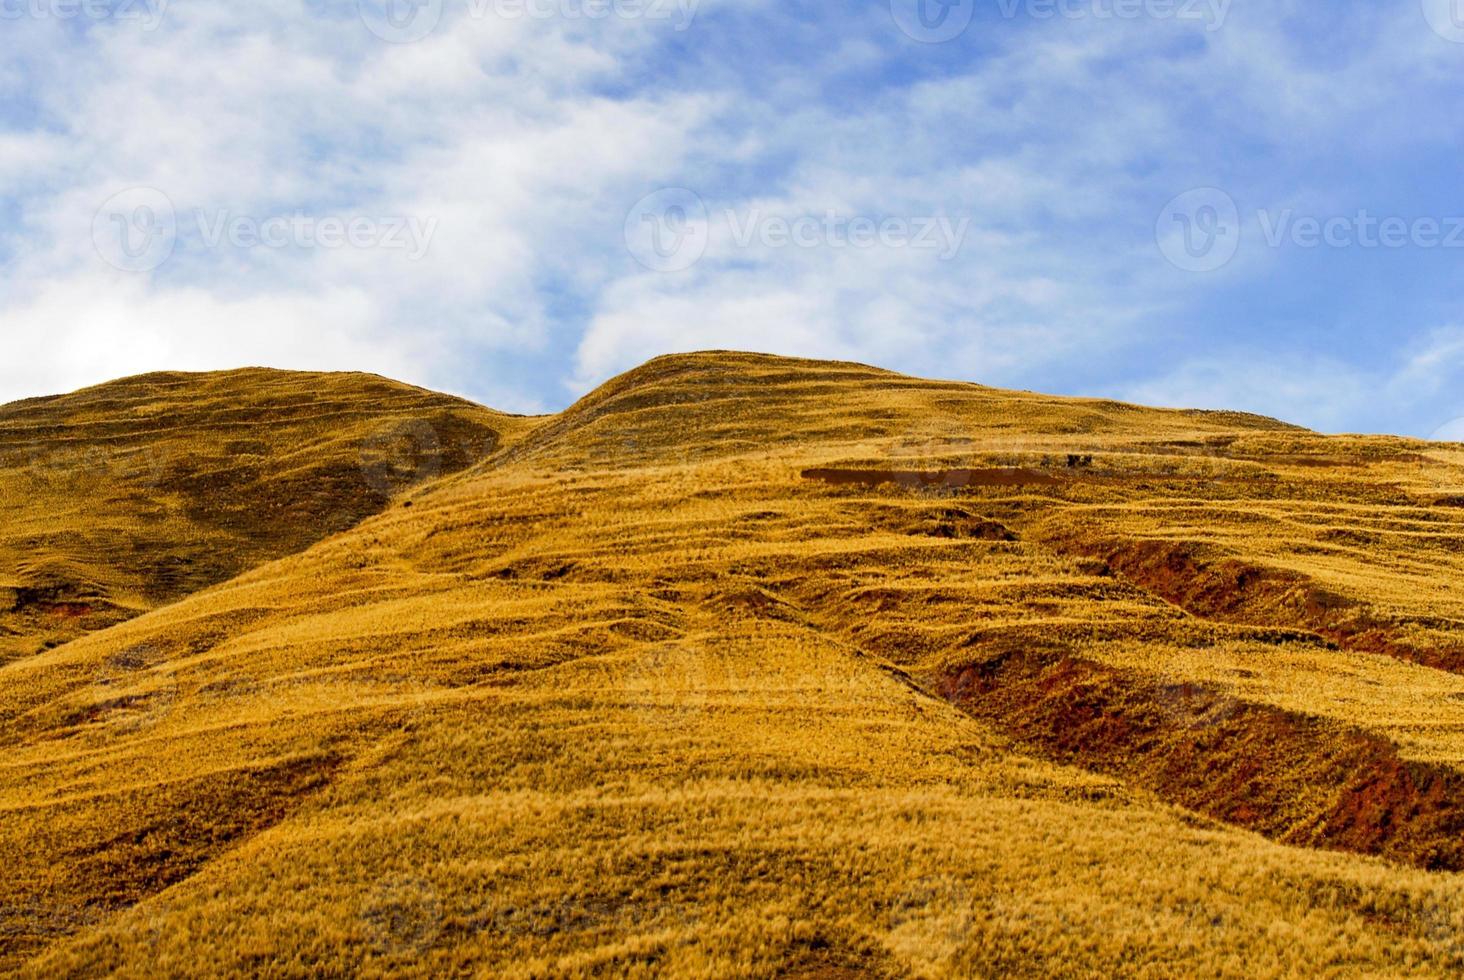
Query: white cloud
{"points": [[526, 141], [486, 130], [1320, 394], [106, 326], [1413, 393]]}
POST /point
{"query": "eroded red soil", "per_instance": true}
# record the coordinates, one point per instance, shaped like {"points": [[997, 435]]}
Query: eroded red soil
{"points": [[1297, 779]]}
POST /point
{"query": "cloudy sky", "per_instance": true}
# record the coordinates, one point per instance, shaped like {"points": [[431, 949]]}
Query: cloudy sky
{"points": [[1221, 203]]}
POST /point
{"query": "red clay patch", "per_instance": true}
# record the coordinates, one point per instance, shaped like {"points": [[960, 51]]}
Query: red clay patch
{"points": [[1294, 778], [935, 478], [1004, 477], [1212, 585]]}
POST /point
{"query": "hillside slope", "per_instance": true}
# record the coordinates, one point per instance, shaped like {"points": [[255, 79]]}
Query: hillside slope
{"points": [[758, 667], [118, 498]]}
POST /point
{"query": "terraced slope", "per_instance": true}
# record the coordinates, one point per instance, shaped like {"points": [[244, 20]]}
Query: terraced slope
{"points": [[756, 667], [122, 497]]}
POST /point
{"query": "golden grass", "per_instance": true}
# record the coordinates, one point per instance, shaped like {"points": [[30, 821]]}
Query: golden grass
{"points": [[633, 698], [122, 497]]}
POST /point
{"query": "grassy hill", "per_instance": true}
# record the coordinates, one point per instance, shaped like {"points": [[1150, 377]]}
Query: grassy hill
{"points": [[745, 666], [123, 497]]}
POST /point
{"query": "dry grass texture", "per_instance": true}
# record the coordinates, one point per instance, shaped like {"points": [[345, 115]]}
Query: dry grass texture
{"points": [[631, 696], [119, 498]]}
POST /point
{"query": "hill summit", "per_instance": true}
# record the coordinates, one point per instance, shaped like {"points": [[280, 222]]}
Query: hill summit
{"points": [[739, 666]]}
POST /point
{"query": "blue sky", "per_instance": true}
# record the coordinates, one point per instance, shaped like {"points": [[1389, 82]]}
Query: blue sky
{"points": [[1213, 203]]}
